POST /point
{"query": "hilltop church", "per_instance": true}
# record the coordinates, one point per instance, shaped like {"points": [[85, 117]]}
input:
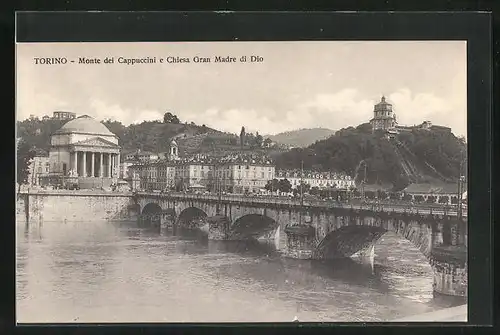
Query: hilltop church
{"points": [[384, 119]]}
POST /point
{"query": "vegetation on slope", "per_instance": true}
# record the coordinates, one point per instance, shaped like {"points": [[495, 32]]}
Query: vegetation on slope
{"points": [[152, 136], [434, 155], [302, 137]]}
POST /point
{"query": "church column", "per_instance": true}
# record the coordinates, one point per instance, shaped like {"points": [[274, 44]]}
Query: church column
{"points": [[76, 162], [101, 157], [109, 166], [84, 162], [118, 164], [112, 160], [92, 165]]}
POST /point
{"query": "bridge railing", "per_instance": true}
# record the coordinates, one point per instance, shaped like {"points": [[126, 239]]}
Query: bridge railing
{"points": [[378, 206]]}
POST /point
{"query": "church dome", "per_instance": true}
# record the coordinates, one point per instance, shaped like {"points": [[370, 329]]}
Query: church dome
{"points": [[383, 102], [85, 124]]}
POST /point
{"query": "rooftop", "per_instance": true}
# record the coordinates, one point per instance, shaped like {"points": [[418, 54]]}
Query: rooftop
{"points": [[313, 174]]}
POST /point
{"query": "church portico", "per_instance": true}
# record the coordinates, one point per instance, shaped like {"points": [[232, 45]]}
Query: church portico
{"points": [[94, 163]]}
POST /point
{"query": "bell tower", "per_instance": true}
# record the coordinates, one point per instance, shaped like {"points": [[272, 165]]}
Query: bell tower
{"points": [[383, 116], [174, 151]]}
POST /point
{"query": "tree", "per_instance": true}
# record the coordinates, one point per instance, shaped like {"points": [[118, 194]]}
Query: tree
{"points": [[267, 142], [305, 187], [242, 137], [394, 196], [314, 190], [444, 199], [431, 199], [381, 195], [370, 194], [258, 140], [407, 197], [285, 186], [419, 198], [170, 118], [24, 156], [272, 185]]}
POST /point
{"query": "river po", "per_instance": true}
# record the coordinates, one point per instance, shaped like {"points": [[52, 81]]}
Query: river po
{"points": [[107, 272]]}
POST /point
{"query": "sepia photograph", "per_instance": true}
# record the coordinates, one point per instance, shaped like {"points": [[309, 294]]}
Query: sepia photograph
{"points": [[241, 181]]}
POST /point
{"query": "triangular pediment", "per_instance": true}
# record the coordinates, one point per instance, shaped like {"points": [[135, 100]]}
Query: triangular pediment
{"points": [[98, 142]]}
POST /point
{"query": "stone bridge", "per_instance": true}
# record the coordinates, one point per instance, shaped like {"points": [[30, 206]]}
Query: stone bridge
{"points": [[318, 229]]}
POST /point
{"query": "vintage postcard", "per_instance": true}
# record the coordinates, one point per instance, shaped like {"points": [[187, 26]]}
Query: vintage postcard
{"points": [[308, 181]]}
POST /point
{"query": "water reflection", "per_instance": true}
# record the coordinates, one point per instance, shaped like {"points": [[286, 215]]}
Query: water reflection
{"points": [[102, 272]]}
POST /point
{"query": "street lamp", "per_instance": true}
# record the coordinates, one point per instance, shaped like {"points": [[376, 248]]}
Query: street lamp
{"points": [[461, 181], [301, 183]]}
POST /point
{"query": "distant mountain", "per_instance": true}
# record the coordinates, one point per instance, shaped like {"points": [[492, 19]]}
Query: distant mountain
{"points": [[302, 137]]}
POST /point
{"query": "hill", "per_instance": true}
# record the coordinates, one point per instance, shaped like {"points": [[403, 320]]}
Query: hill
{"points": [[302, 137], [412, 157], [148, 135], [152, 136]]}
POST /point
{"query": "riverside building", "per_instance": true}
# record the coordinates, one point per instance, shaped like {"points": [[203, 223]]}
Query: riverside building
{"points": [[321, 180], [84, 152]]}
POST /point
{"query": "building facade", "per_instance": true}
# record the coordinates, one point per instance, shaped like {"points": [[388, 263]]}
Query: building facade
{"points": [[125, 172], [142, 156], [447, 194], [321, 180], [158, 175], [38, 168], [85, 150], [245, 174], [194, 173], [232, 174]]}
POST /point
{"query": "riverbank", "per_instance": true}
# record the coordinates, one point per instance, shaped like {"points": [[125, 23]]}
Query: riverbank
{"points": [[453, 314]]}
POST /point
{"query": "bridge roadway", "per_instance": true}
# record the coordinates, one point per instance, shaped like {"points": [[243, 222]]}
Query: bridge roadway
{"points": [[397, 207]]}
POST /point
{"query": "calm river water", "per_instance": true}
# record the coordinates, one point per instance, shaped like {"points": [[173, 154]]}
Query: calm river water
{"points": [[104, 272]]}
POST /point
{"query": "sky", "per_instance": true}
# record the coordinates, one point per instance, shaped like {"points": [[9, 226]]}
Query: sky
{"points": [[331, 84]]}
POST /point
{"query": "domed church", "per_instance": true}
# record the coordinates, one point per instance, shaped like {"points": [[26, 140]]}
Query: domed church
{"points": [[84, 150]]}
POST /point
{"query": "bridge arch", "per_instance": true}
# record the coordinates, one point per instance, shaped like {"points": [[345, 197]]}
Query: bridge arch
{"points": [[192, 218], [350, 239], [253, 226], [151, 214]]}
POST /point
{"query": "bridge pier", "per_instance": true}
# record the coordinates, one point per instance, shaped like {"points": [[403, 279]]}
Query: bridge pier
{"points": [[449, 264], [219, 228], [300, 241]]}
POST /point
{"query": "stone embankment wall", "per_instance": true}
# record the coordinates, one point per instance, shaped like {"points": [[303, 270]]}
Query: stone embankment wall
{"points": [[76, 206]]}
